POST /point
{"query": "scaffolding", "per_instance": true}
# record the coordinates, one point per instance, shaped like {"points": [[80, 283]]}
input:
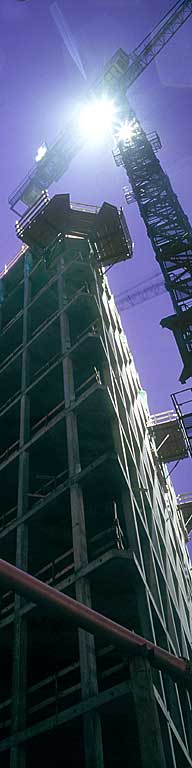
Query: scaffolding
{"points": [[169, 435]]}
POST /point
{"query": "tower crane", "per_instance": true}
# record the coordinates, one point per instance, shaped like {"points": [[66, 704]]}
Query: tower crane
{"points": [[167, 226], [144, 290], [120, 73]]}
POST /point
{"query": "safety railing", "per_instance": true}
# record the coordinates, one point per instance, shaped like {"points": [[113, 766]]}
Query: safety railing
{"points": [[45, 488], [85, 208], [6, 518], [44, 368], [184, 502], [51, 573], [184, 498], [5, 328], [5, 454], [59, 568], [94, 378], [107, 539], [10, 358], [43, 422], [28, 217], [13, 261], [47, 418], [58, 690], [10, 400], [162, 418]]}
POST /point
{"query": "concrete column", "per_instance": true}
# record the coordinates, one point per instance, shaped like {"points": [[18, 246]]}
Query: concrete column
{"points": [[17, 759], [91, 722], [150, 740]]}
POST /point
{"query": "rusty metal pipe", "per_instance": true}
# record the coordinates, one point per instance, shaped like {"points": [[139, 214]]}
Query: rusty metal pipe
{"points": [[60, 605]]}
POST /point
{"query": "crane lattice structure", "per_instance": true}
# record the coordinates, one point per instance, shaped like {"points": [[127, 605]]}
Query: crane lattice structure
{"points": [[167, 226], [142, 291]]}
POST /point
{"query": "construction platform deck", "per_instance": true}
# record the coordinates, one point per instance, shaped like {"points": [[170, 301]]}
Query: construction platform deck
{"points": [[47, 223], [170, 439]]}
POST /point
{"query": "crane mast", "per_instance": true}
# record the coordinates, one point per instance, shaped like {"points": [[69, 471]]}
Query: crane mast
{"points": [[167, 227]]}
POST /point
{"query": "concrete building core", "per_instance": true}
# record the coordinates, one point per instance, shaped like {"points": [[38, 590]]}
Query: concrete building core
{"points": [[87, 506]]}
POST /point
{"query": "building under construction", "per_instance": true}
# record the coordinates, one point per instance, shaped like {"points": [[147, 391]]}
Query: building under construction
{"points": [[87, 506]]}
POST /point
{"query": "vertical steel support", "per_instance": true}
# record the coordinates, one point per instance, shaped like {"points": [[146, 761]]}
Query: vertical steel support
{"points": [[150, 740], [17, 759], [89, 687]]}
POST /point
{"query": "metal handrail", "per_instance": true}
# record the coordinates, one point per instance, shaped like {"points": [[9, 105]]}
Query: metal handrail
{"points": [[45, 419], [85, 208], [13, 261], [56, 569], [10, 400], [162, 418], [11, 448], [184, 498], [29, 215], [11, 322], [4, 518]]}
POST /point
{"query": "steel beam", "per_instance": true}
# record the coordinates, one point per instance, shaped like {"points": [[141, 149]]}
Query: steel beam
{"points": [[56, 603]]}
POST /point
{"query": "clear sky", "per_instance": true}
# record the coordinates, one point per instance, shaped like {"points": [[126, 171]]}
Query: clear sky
{"points": [[44, 71]]}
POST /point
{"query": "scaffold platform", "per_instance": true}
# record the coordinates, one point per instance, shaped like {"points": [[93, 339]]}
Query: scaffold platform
{"points": [[50, 221], [184, 503], [182, 402], [169, 435]]}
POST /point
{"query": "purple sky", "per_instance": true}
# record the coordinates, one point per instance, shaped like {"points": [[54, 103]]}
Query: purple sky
{"points": [[40, 83]]}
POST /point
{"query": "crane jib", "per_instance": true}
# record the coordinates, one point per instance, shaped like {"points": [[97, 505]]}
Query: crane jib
{"points": [[120, 72]]}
